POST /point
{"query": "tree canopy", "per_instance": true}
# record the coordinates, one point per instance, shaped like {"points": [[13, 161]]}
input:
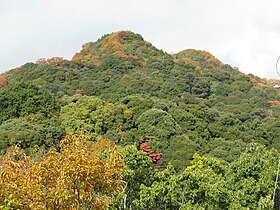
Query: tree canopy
{"points": [[186, 131]]}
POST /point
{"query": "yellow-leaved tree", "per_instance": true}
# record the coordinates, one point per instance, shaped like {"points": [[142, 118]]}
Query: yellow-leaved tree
{"points": [[83, 175]]}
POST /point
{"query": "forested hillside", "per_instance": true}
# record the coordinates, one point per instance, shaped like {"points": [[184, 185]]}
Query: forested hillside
{"points": [[124, 125]]}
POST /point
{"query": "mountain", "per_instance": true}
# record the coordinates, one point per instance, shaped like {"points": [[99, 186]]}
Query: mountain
{"points": [[123, 44], [198, 58], [172, 107], [192, 89]]}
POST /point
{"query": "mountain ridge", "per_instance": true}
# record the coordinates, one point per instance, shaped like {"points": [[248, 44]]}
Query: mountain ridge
{"points": [[116, 44]]}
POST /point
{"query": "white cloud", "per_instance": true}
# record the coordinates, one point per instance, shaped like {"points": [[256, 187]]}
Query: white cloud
{"points": [[242, 32]]}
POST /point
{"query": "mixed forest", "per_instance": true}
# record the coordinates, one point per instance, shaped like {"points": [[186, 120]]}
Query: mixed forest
{"points": [[124, 125]]}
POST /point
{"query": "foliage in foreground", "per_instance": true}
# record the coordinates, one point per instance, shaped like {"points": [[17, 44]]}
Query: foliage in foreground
{"points": [[206, 184], [87, 175], [83, 175]]}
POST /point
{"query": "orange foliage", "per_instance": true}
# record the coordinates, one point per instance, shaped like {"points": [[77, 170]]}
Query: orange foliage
{"points": [[91, 52], [122, 55], [54, 60], [3, 80], [274, 103], [78, 57], [83, 175], [210, 58], [256, 80], [13, 170], [122, 34], [113, 42], [42, 61], [87, 56], [189, 61], [17, 68], [190, 55]]}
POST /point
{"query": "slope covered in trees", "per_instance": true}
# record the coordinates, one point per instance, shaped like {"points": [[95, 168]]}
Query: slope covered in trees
{"points": [[213, 130]]}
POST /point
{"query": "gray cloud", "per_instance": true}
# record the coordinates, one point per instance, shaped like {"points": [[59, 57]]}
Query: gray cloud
{"points": [[242, 33]]}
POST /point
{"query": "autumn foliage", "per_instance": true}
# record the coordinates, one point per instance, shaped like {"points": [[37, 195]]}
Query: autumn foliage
{"points": [[3, 80], [198, 58], [173, 107], [155, 156], [123, 55], [114, 43], [83, 175], [53, 60], [274, 103]]}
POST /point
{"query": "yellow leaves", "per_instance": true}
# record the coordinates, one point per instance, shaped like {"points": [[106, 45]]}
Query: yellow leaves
{"points": [[119, 129], [113, 43], [13, 168], [198, 162], [128, 113], [71, 140], [83, 174]]}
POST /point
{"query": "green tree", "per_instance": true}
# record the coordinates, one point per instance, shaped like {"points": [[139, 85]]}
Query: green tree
{"points": [[87, 114], [179, 152], [201, 184], [138, 170], [21, 99], [158, 123], [28, 134], [251, 178], [201, 88]]}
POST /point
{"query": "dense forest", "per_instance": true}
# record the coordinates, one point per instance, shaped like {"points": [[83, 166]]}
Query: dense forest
{"points": [[124, 125]]}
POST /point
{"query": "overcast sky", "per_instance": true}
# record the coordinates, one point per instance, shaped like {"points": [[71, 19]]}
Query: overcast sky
{"points": [[241, 33]]}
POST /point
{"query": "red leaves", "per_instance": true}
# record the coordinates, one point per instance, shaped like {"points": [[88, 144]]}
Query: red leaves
{"points": [[151, 153]]}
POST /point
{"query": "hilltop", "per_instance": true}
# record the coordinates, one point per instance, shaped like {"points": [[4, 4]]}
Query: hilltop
{"points": [[192, 90]]}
